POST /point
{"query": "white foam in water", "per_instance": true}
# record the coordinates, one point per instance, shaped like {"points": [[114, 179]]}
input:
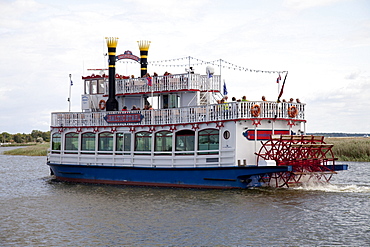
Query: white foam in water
{"points": [[334, 187]]}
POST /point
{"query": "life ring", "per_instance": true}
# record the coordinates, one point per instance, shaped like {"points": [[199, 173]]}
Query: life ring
{"points": [[255, 110], [292, 111], [102, 104]]}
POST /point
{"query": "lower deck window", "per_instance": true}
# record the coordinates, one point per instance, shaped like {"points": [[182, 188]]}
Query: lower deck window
{"points": [[208, 140], [56, 141], [163, 141], [143, 141], [71, 141], [105, 142], [88, 142], [185, 140]]}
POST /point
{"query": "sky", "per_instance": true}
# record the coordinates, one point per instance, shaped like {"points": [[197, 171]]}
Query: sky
{"points": [[324, 44]]}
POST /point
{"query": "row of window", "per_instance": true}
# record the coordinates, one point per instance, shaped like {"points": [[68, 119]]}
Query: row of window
{"points": [[184, 140]]}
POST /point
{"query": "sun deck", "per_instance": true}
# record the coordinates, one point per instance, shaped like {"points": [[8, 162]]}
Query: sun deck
{"points": [[179, 82]]}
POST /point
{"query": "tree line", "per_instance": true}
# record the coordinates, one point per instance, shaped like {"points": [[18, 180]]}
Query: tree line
{"points": [[34, 136]]}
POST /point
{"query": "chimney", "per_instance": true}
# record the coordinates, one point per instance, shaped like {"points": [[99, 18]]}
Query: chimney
{"points": [[144, 47], [112, 103]]}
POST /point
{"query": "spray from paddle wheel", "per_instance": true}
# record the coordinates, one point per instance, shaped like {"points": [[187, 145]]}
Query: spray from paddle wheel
{"points": [[312, 160]]}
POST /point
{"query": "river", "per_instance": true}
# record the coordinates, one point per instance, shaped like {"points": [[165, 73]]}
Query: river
{"points": [[36, 210]]}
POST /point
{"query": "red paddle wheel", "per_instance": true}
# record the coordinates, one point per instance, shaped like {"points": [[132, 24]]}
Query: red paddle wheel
{"points": [[312, 160]]}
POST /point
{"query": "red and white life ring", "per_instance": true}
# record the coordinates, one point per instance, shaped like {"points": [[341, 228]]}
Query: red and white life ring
{"points": [[102, 104], [255, 110], [292, 111]]}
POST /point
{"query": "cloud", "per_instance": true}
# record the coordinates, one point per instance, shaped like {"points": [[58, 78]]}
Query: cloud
{"points": [[300, 5], [352, 76], [326, 54]]}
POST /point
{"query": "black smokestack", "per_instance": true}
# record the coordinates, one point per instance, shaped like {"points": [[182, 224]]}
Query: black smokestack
{"points": [[112, 103], [144, 47]]}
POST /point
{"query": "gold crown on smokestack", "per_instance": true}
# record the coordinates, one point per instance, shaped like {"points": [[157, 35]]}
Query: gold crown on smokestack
{"points": [[112, 42], [144, 45]]}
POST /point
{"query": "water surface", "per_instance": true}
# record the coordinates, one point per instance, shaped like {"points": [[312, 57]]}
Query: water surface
{"points": [[36, 210]]}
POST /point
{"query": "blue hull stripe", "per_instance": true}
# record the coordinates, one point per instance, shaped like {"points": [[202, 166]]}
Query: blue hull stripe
{"points": [[216, 177]]}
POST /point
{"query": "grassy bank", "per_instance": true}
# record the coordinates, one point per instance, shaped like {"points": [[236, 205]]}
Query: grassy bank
{"points": [[350, 149], [34, 150]]}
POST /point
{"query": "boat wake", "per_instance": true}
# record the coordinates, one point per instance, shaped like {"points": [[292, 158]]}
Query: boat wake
{"points": [[346, 188]]}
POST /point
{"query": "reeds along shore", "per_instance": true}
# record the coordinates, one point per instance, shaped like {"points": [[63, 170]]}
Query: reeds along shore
{"points": [[34, 150], [345, 149], [350, 148]]}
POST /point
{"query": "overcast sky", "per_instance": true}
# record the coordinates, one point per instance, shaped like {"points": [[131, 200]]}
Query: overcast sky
{"points": [[324, 44]]}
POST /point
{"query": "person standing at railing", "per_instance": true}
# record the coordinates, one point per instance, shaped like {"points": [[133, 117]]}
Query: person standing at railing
{"points": [[225, 107], [244, 104]]}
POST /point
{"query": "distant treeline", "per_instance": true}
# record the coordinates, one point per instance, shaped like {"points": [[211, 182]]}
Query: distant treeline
{"points": [[339, 134], [35, 136]]}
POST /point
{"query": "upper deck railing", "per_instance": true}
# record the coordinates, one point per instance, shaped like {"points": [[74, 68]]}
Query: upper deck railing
{"points": [[167, 83], [184, 115]]}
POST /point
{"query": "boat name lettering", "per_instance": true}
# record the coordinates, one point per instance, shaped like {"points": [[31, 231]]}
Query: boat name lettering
{"points": [[127, 55], [124, 118]]}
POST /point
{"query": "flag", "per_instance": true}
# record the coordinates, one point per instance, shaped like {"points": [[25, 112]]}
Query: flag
{"points": [[282, 88], [149, 79], [225, 89], [71, 83], [278, 79]]}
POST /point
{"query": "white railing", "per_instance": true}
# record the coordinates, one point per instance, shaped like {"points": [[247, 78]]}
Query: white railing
{"points": [[167, 83], [182, 115]]}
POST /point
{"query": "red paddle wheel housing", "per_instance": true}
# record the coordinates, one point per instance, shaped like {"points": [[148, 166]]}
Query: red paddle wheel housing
{"points": [[312, 160]]}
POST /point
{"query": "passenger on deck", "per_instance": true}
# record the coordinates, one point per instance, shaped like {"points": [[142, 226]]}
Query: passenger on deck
{"points": [[263, 98], [298, 101], [155, 74], [233, 99], [134, 107], [291, 100], [124, 108], [225, 98], [146, 75], [244, 98]]}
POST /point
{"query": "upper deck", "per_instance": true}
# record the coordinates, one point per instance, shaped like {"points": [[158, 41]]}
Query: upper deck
{"points": [[183, 115], [168, 83], [98, 84]]}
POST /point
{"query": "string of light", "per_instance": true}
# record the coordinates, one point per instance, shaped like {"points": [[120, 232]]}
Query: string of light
{"points": [[219, 63]]}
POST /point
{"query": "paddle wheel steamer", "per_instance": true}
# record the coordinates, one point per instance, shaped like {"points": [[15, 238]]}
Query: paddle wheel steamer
{"points": [[188, 140]]}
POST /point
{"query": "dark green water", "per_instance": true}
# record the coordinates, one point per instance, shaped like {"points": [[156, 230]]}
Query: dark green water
{"points": [[35, 210]]}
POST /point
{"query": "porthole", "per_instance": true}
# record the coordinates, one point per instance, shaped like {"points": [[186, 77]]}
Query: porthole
{"points": [[226, 134]]}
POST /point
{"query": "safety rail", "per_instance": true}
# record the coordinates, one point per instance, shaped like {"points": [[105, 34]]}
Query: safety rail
{"points": [[167, 83], [183, 115]]}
